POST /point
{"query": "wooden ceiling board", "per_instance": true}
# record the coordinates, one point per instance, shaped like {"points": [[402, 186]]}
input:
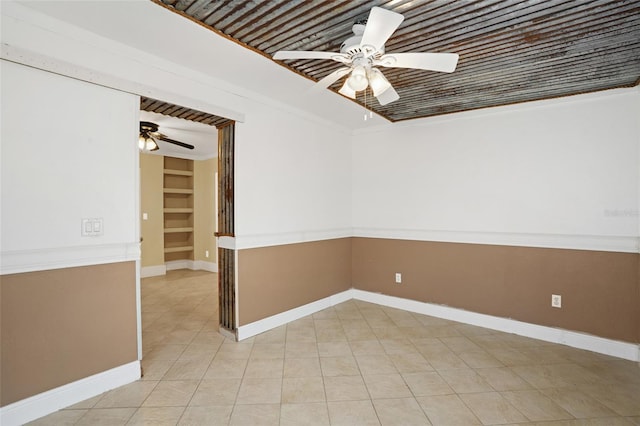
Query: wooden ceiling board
{"points": [[510, 51], [165, 108]]}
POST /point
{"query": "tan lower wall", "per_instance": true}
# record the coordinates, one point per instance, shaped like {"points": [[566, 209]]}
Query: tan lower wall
{"points": [[278, 278], [63, 325], [204, 213], [600, 290]]}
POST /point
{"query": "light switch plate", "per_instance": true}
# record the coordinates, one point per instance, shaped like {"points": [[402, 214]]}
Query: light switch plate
{"points": [[92, 227]]}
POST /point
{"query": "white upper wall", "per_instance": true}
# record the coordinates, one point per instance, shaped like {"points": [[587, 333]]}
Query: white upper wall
{"points": [[67, 154], [292, 180], [293, 166], [560, 173]]}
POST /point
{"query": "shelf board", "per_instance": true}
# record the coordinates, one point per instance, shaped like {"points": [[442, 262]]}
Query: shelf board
{"points": [[178, 249], [177, 191], [175, 230], [179, 210], [178, 172]]}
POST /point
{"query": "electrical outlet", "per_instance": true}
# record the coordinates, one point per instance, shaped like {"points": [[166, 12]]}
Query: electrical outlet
{"points": [[556, 301], [206, 254], [398, 277]]}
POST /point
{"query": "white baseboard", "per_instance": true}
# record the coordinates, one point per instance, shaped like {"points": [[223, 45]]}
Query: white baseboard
{"points": [[179, 264], [277, 320], [194, 265], [153, 271], [202, 265], [53, 400], [574, 339]]}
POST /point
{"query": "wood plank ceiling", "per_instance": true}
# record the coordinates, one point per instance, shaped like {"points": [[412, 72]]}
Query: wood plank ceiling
{"points": [[160, 107], [510, 51]]}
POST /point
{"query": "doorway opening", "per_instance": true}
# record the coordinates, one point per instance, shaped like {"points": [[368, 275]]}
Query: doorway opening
{"points": [[179, 219]]}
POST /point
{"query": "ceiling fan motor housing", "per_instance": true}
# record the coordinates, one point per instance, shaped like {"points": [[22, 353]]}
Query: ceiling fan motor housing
{"points": [[148, 127], [351, 46]]}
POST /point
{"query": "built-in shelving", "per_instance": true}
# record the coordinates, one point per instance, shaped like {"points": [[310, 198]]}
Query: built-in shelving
{"points": [[178, 209], [178, 191], [177, 172], [175, 230], [179, 249]]}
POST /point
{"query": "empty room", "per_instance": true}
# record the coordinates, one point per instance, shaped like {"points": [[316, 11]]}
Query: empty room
{"points": [[320, 212]]}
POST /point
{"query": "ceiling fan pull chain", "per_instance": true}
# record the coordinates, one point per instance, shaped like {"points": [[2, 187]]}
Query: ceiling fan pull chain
{"points": [[365, 104], [365, 107]]}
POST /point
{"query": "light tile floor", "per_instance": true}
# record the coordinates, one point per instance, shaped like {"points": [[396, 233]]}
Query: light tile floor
{"points": [[353, 364]]}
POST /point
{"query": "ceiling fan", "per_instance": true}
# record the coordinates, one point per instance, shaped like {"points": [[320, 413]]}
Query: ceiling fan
{"points": [[149, 134], [363, 52]]}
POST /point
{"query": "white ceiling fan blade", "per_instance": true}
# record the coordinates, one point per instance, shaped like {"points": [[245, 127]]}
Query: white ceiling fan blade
{"points": [[380, 25], [388, 96], [443, 62], [347, 91], [310, 54], [331, 78]]}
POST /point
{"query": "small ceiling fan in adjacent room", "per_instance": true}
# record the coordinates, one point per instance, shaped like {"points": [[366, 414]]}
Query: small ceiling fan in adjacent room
{"points": [[364, 52], [149, 136]]}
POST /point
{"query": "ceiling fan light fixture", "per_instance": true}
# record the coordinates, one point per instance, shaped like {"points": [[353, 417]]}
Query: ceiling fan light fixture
{"points": [[347, 91], [378, 82], [151, 144], [357, 81], [147, 143]]}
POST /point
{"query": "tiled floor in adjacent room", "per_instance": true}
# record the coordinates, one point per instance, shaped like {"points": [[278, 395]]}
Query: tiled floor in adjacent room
{"points": [[353, 364]]}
